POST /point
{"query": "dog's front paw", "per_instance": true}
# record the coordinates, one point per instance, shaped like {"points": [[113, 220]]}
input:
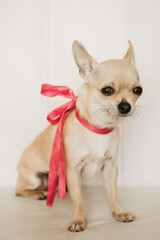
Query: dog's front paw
{"points": [[123, 217], [77, 225]]}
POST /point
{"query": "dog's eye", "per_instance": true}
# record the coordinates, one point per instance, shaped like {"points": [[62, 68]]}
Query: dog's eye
{"points": [[137, 90], [107, 91]]}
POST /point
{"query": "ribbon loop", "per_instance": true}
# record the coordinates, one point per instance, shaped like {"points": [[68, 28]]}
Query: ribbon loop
{"points": [[52, 91], [54, 116]]}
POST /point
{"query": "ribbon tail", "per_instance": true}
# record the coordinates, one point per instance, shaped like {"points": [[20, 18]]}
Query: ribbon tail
{"points": [[52, 186], [62, 173], [53, 171], [62, 176]]}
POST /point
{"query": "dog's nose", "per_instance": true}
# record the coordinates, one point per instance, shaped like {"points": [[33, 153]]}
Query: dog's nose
{"points": [[124, 107]]}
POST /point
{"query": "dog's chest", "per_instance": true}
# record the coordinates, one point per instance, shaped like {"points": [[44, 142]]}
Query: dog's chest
{"points": [[96, 154]]}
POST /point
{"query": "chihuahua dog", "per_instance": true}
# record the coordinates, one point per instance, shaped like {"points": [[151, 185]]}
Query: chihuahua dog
{"points": [[107, 96]]}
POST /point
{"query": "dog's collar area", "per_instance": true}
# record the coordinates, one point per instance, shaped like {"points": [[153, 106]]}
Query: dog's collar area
{"points": [[90, 127]]}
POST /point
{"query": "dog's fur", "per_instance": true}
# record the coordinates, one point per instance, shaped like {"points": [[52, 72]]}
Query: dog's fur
{"points": [[86, 153]]}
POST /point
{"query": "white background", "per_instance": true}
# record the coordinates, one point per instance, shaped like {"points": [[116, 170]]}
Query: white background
{"points": [[35, 48]]}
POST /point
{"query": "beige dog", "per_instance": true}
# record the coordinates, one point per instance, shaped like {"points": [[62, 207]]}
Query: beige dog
{"points": [[108, 94]]}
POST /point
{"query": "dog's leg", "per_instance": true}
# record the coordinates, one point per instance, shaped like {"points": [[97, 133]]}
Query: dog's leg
{"points": [[35, 193], [79, 223], [109, 173], [35, 186]]}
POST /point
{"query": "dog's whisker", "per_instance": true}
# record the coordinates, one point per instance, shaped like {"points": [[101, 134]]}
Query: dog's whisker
{"points": [[137, 113]]}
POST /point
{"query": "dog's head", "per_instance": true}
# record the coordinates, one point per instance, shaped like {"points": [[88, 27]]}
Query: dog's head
{"points": [[112, 86]]}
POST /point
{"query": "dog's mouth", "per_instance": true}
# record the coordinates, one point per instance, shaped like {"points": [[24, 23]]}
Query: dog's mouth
{"points": [[117, 114], [124, 115]]}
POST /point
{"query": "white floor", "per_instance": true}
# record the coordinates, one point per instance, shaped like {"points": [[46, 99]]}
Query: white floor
{"points": [[27, 219]]}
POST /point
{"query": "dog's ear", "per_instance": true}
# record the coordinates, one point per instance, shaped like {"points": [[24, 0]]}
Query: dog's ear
{"points": [[129, 57], [83, 59]]}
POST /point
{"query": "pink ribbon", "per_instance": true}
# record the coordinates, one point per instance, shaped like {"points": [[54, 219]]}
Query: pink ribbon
{"points": [[58, 116], [92, 128]]}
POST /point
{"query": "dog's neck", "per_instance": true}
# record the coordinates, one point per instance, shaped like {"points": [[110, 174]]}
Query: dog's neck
{"points": [[86, 107]]}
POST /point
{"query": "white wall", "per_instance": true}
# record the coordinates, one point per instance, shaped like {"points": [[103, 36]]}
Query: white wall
{"points": [[141, 135], [35, 47], [22, 72]]}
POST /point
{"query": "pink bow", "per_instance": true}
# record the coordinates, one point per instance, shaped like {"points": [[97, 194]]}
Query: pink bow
{"points": [[58, 115]]}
